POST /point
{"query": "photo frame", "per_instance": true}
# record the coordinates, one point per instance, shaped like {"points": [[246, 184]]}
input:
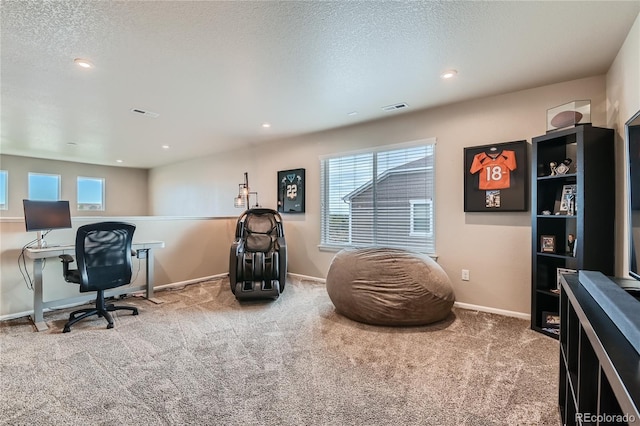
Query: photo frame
{"points": [[496, 177], [567, 202], [550, 319], [291, 191], [547, 243]]}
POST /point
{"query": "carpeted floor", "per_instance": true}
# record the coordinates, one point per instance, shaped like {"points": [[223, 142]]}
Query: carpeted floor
{"points": [[202, 358]]}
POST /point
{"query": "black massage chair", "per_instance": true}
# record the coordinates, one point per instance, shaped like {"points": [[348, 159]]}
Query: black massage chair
{"points": [[258, 257]]}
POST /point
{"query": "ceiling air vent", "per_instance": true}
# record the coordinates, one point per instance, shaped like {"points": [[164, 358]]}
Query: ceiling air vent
{"points": [[394, 107], [147, 113]]}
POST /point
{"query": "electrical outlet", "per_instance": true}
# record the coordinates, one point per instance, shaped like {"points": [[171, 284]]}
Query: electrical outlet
{"points": [[465, 275]]}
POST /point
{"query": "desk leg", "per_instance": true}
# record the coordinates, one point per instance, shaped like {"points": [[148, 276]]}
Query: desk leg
{"points": [[149, 273], [38, 317]]}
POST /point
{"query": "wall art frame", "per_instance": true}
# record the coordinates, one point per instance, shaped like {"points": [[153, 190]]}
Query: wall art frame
{"points": [[496, 177], [291, 191]]}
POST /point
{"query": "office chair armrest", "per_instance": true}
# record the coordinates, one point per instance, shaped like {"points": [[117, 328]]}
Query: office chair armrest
{"points": [[66, 260]]}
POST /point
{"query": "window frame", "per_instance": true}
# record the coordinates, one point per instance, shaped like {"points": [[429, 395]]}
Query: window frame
{"points": [[59, 188], [5, 190], [428, 246], [426, 202], [81, 206]]}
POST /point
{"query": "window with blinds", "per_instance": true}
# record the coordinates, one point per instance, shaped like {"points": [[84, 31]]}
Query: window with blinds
{"points": [[382, 198]]}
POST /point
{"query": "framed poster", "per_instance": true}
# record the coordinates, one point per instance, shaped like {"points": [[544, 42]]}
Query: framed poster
{"points": [[291, 191], [496, 177]]}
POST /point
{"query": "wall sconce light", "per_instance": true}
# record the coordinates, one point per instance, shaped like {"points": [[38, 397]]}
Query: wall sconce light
{"points": [[244, 194]]}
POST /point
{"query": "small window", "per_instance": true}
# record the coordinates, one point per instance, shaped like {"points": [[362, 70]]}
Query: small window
{"points": [[44, 187], [421, 218], [90, 194], [4, 188]]}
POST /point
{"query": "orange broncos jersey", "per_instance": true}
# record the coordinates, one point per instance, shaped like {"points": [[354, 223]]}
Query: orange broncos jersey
{"points": [[495, 170]]}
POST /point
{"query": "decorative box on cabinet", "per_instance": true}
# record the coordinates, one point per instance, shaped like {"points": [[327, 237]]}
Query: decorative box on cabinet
{"points": [[577, 199]]}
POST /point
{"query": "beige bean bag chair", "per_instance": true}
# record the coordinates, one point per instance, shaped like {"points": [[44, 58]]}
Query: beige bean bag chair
{"points": [[385, 286]]}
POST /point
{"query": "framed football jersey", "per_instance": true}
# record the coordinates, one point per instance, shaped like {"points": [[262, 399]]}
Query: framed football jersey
{"points": [[291, 191], [496, 177]]}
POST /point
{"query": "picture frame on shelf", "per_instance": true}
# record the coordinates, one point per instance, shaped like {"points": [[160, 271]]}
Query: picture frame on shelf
{"points": [[548, 243], [567, 204], [550, 319]]}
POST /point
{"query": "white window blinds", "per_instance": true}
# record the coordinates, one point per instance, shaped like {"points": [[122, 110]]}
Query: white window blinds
{"points": [[380, 198]]}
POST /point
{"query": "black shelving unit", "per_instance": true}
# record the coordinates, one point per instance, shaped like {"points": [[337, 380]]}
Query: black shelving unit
{"points": [[599, 368], [590, 220]]}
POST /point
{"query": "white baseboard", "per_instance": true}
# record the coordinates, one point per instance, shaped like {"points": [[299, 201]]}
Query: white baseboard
{"points": [[188, 282], [490, 310], [460, 305], [157, 288], [306, 277]]}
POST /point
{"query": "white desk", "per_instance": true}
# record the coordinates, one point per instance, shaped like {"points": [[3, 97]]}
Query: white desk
{"points": [[144, 249]]}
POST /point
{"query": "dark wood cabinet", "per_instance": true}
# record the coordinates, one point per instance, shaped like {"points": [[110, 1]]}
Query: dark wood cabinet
{"points": [[599, 380], [578, 199]]}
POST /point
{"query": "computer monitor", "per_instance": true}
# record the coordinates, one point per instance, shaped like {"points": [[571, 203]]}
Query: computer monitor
{"points": [[46, 215]]}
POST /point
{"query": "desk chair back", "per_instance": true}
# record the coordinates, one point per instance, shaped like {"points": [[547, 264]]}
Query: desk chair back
{"points": [[103, 254]]}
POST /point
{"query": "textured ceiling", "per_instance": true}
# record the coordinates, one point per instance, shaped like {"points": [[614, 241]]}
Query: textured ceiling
{"points": [[215, 71]]}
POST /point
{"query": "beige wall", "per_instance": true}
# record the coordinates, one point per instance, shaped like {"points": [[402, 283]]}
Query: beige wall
{"points": [[194, 248], [495, 247], [126, 189], [623, 101]]}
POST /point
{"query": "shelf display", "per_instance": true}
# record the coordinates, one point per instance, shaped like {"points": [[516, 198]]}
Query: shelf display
{"points": [[572, 209]]}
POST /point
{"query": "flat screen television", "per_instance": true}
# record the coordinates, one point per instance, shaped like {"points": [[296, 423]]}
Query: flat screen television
{"points": [[46, 215], [633, 155]]}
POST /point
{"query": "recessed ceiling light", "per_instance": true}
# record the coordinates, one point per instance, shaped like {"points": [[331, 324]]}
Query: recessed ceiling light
{"points": [[448, 74], [353, 113], [83, 63], [119, 161], [165, 147], [266, 125]]}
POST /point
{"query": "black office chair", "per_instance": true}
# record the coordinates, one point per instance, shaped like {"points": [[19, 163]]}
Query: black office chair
{"points": [[258, 258], [103, 253]]}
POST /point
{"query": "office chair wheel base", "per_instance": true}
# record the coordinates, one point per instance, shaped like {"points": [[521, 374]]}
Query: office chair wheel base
{"points": [[110, 325], [66, 329], [135, 313]]}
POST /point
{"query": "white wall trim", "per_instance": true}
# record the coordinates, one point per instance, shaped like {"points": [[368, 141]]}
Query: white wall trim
{"points": [[156, 288], [503, 312], [189, 282], [306, 277], [460, 305]]}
